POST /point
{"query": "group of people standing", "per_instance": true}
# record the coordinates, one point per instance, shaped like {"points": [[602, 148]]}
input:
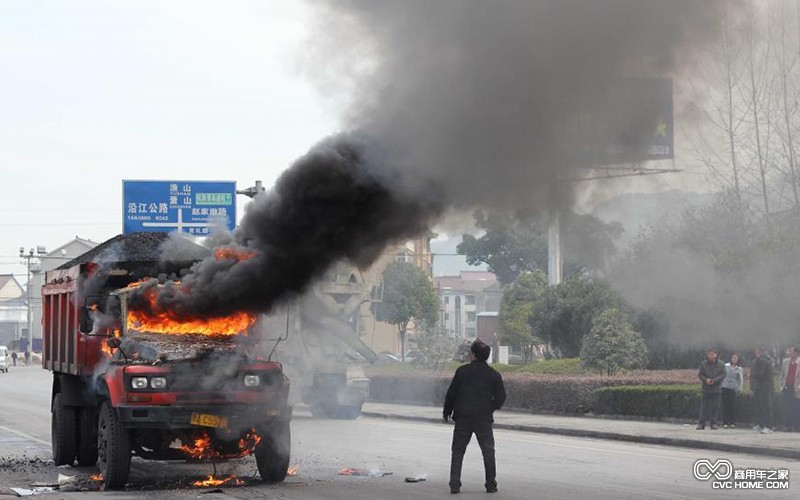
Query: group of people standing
{"points": [[725, 381]]}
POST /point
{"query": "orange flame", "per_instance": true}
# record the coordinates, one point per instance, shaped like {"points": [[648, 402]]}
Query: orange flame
{"points": [[212, 481], [203, 448], [222, 253], [104, 347], [96, 477], [292, 471], [164, 322]]}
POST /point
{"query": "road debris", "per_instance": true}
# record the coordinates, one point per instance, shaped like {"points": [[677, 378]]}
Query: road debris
{"points": [[353, 471], [415, 479], [29, 492]]}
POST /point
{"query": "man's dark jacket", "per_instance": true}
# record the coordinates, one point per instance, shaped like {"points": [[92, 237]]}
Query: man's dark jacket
{"points": [[714, 371], [475, 393], [761, 376]]}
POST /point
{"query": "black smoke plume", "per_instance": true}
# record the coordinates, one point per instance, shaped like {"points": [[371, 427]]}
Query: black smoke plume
{"points": [[449, 104], [336, 202]]}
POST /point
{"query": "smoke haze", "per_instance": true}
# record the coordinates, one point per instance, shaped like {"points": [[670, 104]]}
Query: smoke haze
{"points": [[448, 104]]}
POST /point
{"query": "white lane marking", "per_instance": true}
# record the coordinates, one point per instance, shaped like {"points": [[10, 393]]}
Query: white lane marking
{"points": [[26, 436]]}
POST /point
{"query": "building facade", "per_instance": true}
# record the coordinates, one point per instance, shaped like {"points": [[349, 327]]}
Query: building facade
{"points": [[13, 310], [465, 296]]}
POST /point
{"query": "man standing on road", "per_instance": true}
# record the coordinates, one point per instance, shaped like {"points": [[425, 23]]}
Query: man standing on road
{"points": [[27, 357], [711, 374], [475, 393], [762, 385], [14, 357], [789, 388]]}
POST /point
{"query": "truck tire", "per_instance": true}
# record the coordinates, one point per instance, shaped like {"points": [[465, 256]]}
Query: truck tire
{"points": [[113, 447], [273, 451], [87, 436], [318, 410], [348, 412], [64, 432]]}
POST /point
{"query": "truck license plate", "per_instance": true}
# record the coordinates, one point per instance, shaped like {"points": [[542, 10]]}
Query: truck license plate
{"points": [[206, 420]]}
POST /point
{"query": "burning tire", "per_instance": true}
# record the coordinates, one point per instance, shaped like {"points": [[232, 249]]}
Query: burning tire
{"points": [[87, 436], [272, 453], [64, 432], [113, 448]]}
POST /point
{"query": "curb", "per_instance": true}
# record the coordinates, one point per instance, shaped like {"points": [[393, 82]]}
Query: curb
{"points": [[616, 436]]}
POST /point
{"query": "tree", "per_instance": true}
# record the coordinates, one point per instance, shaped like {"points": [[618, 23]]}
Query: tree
{"points": [[516, 311], [509, 246], [433, 349], [515, 244], [408, 295], [613, 344], [563, 314]]}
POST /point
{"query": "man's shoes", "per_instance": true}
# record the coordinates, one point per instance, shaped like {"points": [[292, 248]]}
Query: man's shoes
{"points": [[732, 426], [757, 428], [491, 489], [713, 427], [455, 490], [766, 430], [700, 427], [724, 426]]}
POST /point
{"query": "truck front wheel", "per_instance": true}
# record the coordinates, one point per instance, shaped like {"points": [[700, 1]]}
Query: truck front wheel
{"points": [[113, 448], [273, 451], [64, 430]]}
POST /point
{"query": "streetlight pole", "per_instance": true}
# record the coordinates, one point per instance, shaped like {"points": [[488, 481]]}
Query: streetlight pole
{"points": [[40, 250]]}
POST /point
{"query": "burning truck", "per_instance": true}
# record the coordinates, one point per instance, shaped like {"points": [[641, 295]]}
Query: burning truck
{"points": [[162, 387]]}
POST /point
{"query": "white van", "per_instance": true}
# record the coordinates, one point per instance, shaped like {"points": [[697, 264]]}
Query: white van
{"points": [[5, 359]]}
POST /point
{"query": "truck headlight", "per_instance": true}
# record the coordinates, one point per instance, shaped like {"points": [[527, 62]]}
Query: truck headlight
{"points": [[252, 380], [158, 382], [139, 382]]}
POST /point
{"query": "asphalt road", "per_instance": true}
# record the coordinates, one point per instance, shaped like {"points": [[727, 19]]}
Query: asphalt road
{"points": [[530, 465]]}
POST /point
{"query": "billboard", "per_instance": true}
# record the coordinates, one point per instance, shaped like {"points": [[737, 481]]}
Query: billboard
{"points": [[627, 120], [192, 207]]}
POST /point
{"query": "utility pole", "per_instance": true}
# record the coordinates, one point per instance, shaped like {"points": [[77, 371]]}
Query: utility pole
{"points": [[29, 263], [555, 267]]}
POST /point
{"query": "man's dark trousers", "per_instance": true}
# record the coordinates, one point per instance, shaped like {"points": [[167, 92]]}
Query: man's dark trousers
{"points": [[462, 434], [792, 409], [762, 403], [709, 407]]}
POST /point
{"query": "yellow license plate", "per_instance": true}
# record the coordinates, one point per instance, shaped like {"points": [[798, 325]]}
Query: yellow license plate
{"points": [[206, 420]]}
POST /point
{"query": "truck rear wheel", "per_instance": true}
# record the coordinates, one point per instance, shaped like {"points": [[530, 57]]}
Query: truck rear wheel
{"points": [[64, 432], [113, 448], [87, 436], [273, 451]]}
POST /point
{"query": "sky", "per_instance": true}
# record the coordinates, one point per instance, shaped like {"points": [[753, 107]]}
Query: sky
{"points": [[96, 92]]}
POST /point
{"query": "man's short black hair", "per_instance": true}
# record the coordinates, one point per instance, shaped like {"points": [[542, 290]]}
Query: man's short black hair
{"points": [[480, 350]]}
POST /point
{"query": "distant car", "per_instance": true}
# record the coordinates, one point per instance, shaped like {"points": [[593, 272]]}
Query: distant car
{"points": [[5, 359]]}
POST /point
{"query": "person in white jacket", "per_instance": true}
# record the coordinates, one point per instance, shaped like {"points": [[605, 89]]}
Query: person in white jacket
{"points": [[731, 386]]}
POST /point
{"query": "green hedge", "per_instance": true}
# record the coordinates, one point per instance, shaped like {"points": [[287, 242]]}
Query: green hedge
{"points": [[652, 396], [532, 392], [557, 395], [680, 401]]}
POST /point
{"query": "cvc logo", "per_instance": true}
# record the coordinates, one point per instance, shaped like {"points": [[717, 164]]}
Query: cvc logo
{"points": [[721, 469]]}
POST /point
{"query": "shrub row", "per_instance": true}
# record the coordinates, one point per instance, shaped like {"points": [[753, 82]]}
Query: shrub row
{"points": [[670, 401], [532, 392]]}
